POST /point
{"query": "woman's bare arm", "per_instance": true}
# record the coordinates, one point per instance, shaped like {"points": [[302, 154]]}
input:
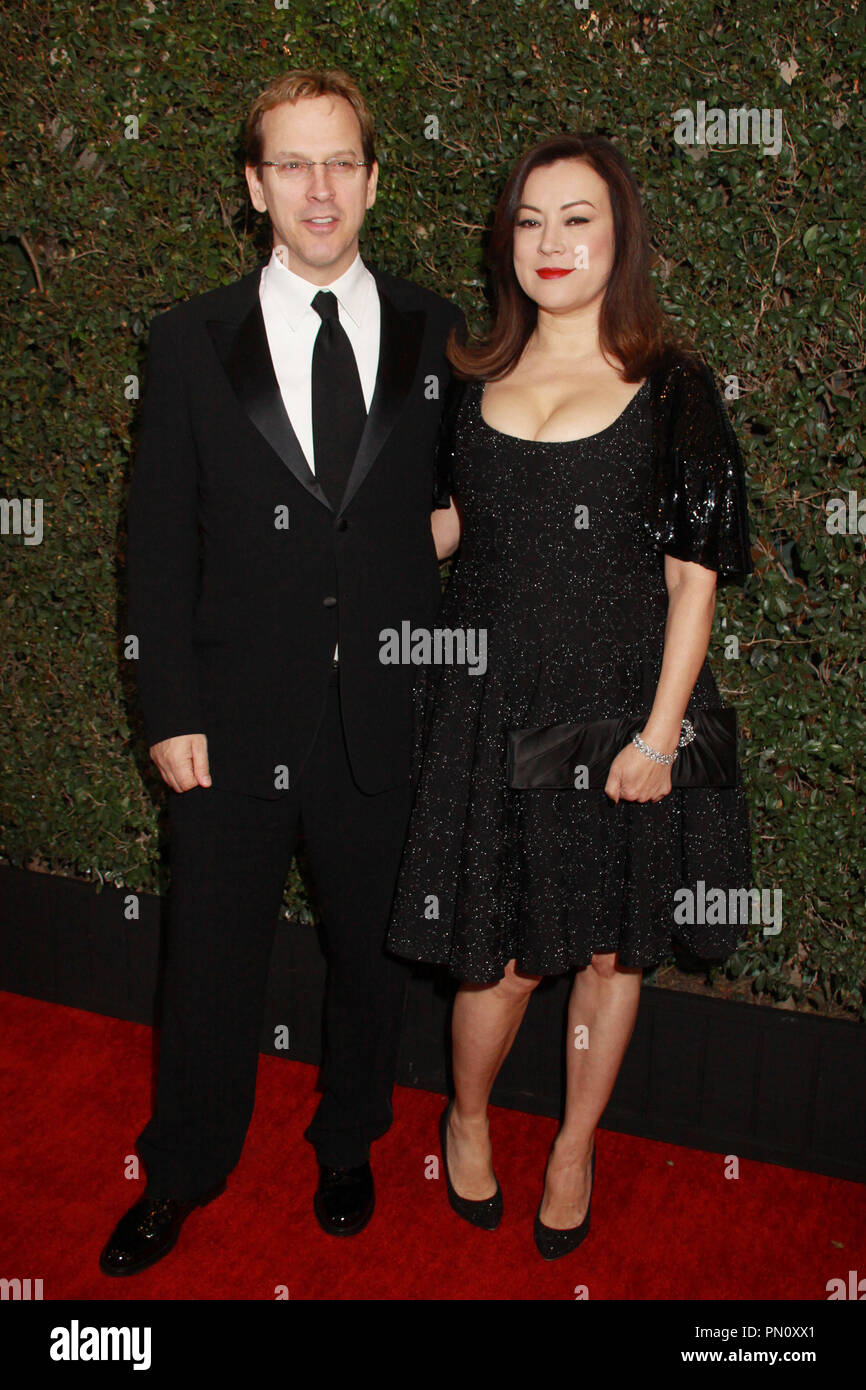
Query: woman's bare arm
{"points": [[446, 529], [691, 605]]}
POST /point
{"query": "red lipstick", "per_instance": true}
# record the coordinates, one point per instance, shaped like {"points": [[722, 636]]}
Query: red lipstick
{"points": [[551, 273]]}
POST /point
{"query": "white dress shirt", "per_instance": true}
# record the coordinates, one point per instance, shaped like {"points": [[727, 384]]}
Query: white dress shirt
{"points": [[291, 325]]}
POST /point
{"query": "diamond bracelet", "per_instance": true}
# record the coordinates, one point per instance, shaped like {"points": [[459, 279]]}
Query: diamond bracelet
{"points": [[686, 736]]}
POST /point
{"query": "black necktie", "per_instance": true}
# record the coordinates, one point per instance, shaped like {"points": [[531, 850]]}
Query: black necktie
{"points": [[339, 412]]}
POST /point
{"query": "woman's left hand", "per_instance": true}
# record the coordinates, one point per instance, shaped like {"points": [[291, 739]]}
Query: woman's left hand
{"points": [[634, 777]]}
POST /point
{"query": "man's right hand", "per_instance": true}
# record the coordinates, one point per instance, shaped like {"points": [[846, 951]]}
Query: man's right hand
{"points": [[182, 761]]}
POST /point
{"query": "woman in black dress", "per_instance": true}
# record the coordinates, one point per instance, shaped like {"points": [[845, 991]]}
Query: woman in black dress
{"points": [[599, 494]]}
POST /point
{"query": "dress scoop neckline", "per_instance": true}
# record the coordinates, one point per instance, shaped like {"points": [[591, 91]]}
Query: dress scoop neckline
{"points": [[581, 439]]}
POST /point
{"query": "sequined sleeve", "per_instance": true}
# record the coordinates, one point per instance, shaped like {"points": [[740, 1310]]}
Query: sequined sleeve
{"points": [[698, 509]]}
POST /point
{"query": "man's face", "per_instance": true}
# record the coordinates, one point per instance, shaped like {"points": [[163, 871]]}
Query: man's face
{"points": [[316, 216]]}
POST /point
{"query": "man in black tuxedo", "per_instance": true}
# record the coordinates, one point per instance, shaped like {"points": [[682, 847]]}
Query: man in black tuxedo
{"points": [[279, 520]]}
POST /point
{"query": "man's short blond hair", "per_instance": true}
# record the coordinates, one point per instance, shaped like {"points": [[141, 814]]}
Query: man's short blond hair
{"points": [[307, 82]]}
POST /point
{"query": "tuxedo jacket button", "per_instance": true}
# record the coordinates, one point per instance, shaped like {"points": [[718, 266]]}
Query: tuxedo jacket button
{"points": [[342, 524]]}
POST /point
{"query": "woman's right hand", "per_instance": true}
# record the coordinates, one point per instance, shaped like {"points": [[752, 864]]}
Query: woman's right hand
{"points": [[446, 529]]}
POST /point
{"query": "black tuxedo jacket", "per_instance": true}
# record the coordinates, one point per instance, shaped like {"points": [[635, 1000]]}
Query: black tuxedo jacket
{"points": [[241, 577]]}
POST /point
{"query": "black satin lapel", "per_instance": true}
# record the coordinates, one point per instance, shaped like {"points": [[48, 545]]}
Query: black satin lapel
{"points": [[245, 355], [400, 337]]}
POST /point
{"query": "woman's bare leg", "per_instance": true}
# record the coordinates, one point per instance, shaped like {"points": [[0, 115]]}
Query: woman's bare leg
{"points": [[483, 1027], [604, 1001]]}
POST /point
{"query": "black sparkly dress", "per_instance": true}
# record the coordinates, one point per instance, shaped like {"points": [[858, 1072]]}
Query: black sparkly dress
{"points": [[561, 566]]}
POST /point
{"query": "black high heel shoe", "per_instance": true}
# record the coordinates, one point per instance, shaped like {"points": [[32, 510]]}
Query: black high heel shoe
{"points": [[488, 1212], [551, 1244]]}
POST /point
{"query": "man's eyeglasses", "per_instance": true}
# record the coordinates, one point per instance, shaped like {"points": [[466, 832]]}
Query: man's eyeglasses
{"points": [[296, 169]]}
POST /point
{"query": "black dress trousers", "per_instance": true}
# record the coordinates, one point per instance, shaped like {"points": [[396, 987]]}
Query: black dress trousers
{"points": [[229, 855]]}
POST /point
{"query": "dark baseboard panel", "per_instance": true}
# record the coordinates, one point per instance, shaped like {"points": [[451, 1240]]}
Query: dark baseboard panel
{"points": [[731, 1078]]}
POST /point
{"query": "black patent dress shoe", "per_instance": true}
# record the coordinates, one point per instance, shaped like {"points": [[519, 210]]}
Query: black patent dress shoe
{"points": [[551, 1243], [344, 1199], [487, 1213], [148, 1231]]}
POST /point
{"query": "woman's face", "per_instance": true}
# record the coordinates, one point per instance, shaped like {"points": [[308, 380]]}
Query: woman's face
{"points": [[563, 236]]}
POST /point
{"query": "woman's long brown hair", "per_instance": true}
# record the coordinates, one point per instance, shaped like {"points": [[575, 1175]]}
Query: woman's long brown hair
{"points": [[632, 324]]}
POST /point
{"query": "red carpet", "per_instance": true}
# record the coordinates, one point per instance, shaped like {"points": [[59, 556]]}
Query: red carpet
{"points": [[76, 1089]]}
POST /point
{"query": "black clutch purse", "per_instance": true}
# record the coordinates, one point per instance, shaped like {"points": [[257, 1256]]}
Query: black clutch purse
{"points": [[577, 757]]}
